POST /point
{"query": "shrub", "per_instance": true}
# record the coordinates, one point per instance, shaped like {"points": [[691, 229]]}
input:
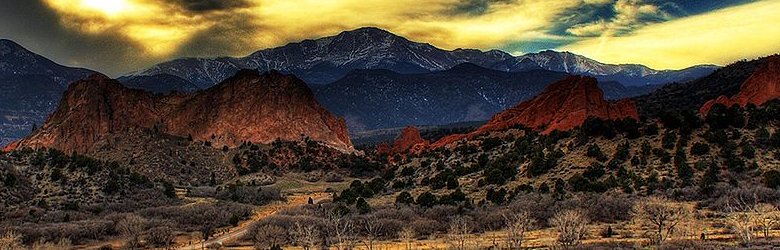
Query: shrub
{"points": [[426, 199], [572, 227], [772, 178], [404, 198], [594, 151], [161, 236], [700, 149], [669, 139], [362, 206]]}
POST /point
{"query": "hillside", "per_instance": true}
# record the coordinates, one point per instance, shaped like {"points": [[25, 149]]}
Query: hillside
{"points": [[30, 88], [376, 99]]}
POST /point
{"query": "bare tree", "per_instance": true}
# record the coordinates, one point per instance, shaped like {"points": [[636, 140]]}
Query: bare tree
{"points": [[517, 225], [11, 241], [407, 236], [161, 236], [572, 227], [742, 219], [460, 228], [340, 230], [660, 217], [768, 217], [268, 236], [131, 227], [373, 228], [306, 236]]}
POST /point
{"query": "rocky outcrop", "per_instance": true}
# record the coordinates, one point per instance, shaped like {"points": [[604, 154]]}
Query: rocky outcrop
{"points": [[98, 112], [761, 87], [562, 106], [409, 140]]}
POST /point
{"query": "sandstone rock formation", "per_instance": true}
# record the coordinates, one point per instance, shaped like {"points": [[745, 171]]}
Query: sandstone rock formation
{"points": [[409, 140], [762, 86], [97, 112], [562, 106]]}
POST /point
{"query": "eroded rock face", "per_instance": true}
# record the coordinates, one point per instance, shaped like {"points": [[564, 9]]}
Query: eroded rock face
{"points": [[761, 87], [562, 106], [409, 140], [97, 112]]}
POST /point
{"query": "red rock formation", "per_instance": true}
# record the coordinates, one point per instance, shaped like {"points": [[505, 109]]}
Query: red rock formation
{"points": [[246, 107], [761, 87], [409, 140], [563, 105]]}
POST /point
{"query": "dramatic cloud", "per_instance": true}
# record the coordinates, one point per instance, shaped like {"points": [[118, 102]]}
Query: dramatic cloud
{"points": [[718, 37], [629, 15], [117, 36]]}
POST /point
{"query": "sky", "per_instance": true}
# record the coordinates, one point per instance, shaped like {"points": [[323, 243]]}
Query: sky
{"points": [[119, 36]]}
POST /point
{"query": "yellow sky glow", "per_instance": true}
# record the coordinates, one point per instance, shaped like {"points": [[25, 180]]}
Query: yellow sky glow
{"points": [[719, 37]]}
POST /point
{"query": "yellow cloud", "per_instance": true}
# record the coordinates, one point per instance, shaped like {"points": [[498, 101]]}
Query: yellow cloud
{"points": [[429, 21], [158, 28], [162, 26], [718, 37]]}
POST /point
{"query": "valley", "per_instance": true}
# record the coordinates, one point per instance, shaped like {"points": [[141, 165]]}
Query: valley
{"points": [[368, 140]]}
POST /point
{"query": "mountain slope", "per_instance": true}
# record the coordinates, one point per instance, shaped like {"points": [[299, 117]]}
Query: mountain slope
{"points": [[562, 106], [626, 74], [30, 87], [99, 112], [373, 99], [762, 86], [162, 84], [327, 59], [692, 95]]}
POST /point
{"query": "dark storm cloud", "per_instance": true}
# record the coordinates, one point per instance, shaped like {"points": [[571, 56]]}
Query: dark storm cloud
{"points": [[40, 29], [475, 7], [199, 6], [36, 27]]}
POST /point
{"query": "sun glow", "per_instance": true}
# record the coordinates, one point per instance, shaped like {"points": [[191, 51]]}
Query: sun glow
{"points": [[107, 7]]}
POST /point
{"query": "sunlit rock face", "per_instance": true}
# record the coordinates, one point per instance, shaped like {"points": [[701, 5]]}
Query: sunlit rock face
{"points": [[761, 87], [247, 107], [562, 106]]}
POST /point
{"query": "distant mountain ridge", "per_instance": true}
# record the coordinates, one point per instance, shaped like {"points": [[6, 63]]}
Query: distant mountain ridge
{"points": [[30, 87], [327, 59], [376, 99], [562, 106]]}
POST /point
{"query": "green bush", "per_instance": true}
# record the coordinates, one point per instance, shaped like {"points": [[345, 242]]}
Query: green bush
{"points": [[772, 178], [700, 149], [426, 199], [668, 140], [362, 206], [594, 151]]}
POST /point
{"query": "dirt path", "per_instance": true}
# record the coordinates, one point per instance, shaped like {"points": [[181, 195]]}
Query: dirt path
{"points": [[238, 232]]}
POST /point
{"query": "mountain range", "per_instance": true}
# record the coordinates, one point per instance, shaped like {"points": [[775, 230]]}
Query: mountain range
{"points": [[328, 59], [373, 78], [30, 88]]}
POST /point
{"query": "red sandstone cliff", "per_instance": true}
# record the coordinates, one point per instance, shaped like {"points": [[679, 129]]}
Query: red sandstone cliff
{"points": [[99, 111], [762, 86], [563, 105]]}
